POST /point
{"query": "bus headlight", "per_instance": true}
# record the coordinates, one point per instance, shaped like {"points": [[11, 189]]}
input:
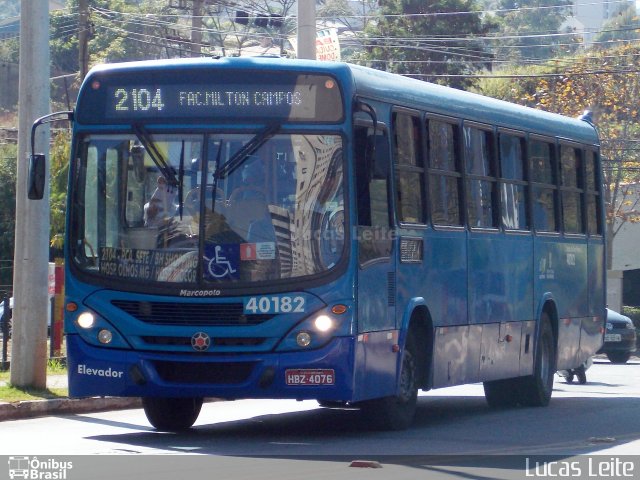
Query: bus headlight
{"points": [[96, 330], [86, 320], [317, 330], [323, 323]]}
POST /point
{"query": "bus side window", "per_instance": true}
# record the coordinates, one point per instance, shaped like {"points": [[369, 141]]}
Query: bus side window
{"points": [[444, 173], [594, 224], [543, 176], [371, 153]]}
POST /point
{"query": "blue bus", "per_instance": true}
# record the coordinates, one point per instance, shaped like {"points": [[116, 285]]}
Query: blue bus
{"points": [[270, 228]]}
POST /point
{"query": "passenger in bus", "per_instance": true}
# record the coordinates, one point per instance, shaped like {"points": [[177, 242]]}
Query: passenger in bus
{"points": [[161, 205]]}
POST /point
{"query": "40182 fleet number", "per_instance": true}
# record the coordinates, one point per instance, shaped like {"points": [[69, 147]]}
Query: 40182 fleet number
{"points": [[275, 304]]}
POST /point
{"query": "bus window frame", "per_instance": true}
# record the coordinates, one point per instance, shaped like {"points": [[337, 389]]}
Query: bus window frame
{"points": [[580, 189], [554, 151], [457, 174], [597, 192], [420, 170], [494, 178], [525, 182]]}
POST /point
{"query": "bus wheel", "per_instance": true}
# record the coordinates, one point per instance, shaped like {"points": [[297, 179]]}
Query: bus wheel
{"points": [[537, 388], [397, 412], [171, 414]]}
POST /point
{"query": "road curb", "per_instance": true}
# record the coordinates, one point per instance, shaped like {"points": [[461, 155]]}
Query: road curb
{"points": [[38, 408]]}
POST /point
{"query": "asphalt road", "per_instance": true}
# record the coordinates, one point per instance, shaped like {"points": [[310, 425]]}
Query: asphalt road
{"points": [[598, 418]]}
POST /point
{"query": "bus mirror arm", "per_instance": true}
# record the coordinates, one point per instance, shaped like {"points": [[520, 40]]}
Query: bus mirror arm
{"points": [[361, 106], [37, 161]]}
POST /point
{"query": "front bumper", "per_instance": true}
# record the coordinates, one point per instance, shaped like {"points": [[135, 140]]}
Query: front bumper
{"points": [[95, 371]]}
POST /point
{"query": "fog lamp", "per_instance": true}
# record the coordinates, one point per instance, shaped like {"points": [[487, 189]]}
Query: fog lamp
{"points": [[303, 339], [105, 336]]}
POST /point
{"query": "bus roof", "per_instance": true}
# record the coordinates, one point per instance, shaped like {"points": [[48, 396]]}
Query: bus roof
{"points": [[402, 91]]}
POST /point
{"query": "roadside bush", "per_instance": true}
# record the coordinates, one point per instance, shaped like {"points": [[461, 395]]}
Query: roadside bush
{"points": [[634, 314]]}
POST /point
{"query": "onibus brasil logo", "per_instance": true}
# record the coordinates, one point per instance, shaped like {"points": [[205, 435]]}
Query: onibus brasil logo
{"points": [[35, 469]]}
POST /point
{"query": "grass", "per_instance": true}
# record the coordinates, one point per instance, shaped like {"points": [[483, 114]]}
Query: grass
{"points": [[9, 393]]}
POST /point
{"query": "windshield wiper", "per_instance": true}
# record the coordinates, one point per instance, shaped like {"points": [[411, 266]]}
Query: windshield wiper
{"points": [[180, 181], [238, 158], [167, 171]]}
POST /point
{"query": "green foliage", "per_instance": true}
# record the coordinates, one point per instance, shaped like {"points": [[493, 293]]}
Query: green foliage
{"points": [[7, 213], [533, 30], [405, 40], [623, 26], [9, 8], [605, 82], [116, 34], [60, 151], [634, 314], [513, 84]]}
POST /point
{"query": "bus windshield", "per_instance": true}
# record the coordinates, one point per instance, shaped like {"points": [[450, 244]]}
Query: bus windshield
{"points": [[172, 208]]}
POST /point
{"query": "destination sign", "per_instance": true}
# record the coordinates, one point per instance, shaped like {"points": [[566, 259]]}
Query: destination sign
{"points": [[188, 100], [300, 98]]}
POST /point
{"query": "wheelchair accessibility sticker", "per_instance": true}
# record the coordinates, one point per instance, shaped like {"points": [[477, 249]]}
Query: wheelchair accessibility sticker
{"points": [[221, 261]]}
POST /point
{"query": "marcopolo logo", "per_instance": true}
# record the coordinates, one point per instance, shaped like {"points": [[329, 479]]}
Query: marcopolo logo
{"points": [[37, 469]]}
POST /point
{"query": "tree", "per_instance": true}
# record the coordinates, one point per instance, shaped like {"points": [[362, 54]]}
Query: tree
{"points": [[623, 26], [428, 40], [59, 173], [8, 172], [607, 83], [529, 29]]}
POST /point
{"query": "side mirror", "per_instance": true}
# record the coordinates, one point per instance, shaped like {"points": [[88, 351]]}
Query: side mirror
{"points": [[37, 172]]}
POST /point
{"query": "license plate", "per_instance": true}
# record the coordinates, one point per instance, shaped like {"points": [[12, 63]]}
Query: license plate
{"points": [[310, 377], [612, 337]]}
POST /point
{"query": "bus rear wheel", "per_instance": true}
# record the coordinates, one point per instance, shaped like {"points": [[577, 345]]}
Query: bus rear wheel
{"points": [[536, 389], [171, 414], [397, 412]]}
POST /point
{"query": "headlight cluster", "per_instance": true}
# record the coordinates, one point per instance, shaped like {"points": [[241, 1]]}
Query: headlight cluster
{"points": [[94, 329], [318, 329]]}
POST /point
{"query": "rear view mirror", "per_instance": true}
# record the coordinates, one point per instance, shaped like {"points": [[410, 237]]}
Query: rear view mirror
{"points": [[37, 171]]}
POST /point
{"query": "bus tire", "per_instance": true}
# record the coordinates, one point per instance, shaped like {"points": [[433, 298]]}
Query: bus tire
{"points": [[397, 412], [171, 414], [536, 389]]}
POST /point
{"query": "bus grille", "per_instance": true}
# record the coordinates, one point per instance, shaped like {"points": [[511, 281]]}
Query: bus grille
{"points": [[212, 373], [204, 314], [218, 341]]}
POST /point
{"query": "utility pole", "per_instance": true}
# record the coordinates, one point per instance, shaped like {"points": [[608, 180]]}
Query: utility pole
{"points": [[30, 273], [83, 37], [196, 28], [307, 29]]}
